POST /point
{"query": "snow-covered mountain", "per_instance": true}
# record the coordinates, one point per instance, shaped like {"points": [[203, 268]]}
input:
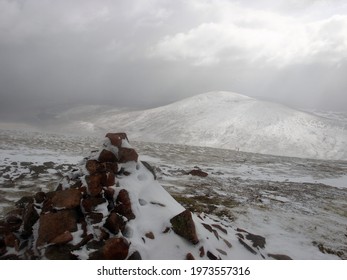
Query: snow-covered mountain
{"points": [[233, 121]]}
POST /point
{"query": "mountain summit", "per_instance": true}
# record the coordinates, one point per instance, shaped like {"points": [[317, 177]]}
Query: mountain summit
{"points": [[233, 121], [112, 207]]}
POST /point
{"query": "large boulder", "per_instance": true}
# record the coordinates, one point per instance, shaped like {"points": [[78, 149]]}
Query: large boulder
{"points": [[183, 225]]}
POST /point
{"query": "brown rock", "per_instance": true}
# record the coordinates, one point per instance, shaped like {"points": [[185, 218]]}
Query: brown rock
{"points": [[114, 223], [110, 167], [210, 229], [222, 252], [149, 235], [94, 184], [83, 242], [109, 193], [13, 221], [24, 201], [190, 256], [115, 249], [117, 138], [183, 225], [103, 235], [54, 224], [63, 238], [220, 228], [30, 217], [279, 257], [2, 247], [107, 156], [257, 240], [11, 240], [93, 166], [249, 248], [123, 206], [127, 154], [197, 172], [40, 197], [211, 256], [59, 252], [47, 205], [16, 213], [202, 251], [135, 256], [227, 243], [66, 199], [111, 179], [90, 203], [94, 218]]}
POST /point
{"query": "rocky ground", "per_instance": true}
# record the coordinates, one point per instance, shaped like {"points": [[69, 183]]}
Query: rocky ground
{"points": [[298, 205]]}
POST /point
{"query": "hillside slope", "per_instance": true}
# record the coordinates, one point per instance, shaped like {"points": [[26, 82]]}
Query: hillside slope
{"points": [[233, 121]]}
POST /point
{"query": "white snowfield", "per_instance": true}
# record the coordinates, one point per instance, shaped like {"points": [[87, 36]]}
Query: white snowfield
{"points": [[233, 121]]}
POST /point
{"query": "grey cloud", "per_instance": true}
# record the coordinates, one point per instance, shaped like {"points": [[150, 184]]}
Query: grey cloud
{"points": [[58, 54]]}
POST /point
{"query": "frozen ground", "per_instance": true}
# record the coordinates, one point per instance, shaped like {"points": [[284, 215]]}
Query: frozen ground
{"points": [[298, 205]]}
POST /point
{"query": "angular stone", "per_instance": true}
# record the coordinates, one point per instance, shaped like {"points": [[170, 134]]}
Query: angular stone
{"points": [[94, 218], [107, 156], [197, 172], [110, 167], [190, 256], [13, 221], [83, 242], [47, 205], [25, 200], [90, 203], [111, 179], [54, 224], [227, 243], [150, 235], [279, 257], [222, 252], [109, 193], [115, 249], [40, 197], [117, 138], [104, 235], [220, 228], [114, 223], [211, 256], [94, 184], [123, 206], [135, 256], [3, 250], [183, 225], [63, 238], [202, 251], [11, 240], [249, 248], [59, 252], [257, 240], [93, 166], [30, 217], [66, 199], [127, 154]]}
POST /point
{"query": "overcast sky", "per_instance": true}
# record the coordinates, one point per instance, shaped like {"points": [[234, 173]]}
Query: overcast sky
{"points": [[148, 53]]}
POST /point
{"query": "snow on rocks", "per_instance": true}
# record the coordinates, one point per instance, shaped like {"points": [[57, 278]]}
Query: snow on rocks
{"points": [[112, 207]]}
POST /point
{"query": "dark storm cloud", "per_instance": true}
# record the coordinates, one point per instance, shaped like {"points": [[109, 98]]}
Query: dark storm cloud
{"points": [[56, 54]]}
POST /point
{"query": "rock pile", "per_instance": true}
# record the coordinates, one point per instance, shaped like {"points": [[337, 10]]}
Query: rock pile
{"points": [[112, 207]]}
